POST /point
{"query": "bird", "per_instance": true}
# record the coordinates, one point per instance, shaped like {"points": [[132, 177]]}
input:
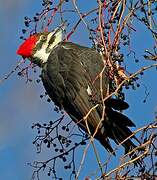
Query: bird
{"points": [[70, 74]]}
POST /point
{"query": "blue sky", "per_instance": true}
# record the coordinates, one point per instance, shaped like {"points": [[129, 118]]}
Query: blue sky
{"points": [[20, 104]]}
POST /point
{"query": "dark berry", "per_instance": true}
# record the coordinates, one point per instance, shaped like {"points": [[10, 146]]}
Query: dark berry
{"points": [[144, 101], [83, 143], [61, 150], [65, 167], [63, 127], [23, 31], [45, 141], [59, 137], [53, 171], [54, 145], [38, 125], [26, 18], [64, 159], [51, 123], [48, 145], [19, 73], [38, 80], [44, 165], [41, 96]]}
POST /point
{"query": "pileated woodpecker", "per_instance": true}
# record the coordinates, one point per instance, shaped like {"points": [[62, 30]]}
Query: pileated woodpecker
{"points": [[71, 77]]}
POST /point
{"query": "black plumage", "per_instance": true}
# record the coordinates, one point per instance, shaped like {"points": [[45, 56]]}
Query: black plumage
{"points": [[71, 79]]}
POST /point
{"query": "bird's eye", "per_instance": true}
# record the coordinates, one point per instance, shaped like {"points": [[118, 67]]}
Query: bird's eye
{"points": [[43, 38]]}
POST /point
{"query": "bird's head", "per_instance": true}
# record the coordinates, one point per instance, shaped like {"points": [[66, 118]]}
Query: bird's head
{"points": [[38, 46]]}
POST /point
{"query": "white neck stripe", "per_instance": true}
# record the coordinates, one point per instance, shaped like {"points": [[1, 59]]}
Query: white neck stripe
{"points": [[42, 54]]}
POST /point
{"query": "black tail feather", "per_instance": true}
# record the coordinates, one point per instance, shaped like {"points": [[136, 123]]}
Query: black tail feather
{"points": [[116, 127], [116, 104], [119, 130]]}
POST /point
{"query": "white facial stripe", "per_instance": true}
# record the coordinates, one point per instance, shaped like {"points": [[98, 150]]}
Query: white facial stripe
{"points": [[89, 91], [58, 39], [42, 53], [66, 47]]}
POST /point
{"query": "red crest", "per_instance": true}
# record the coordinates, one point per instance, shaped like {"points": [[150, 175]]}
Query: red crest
{"points": [[26, 48]]}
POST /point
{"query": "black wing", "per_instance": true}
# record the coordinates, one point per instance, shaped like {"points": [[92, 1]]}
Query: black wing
{"points": [[71, 79]]}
